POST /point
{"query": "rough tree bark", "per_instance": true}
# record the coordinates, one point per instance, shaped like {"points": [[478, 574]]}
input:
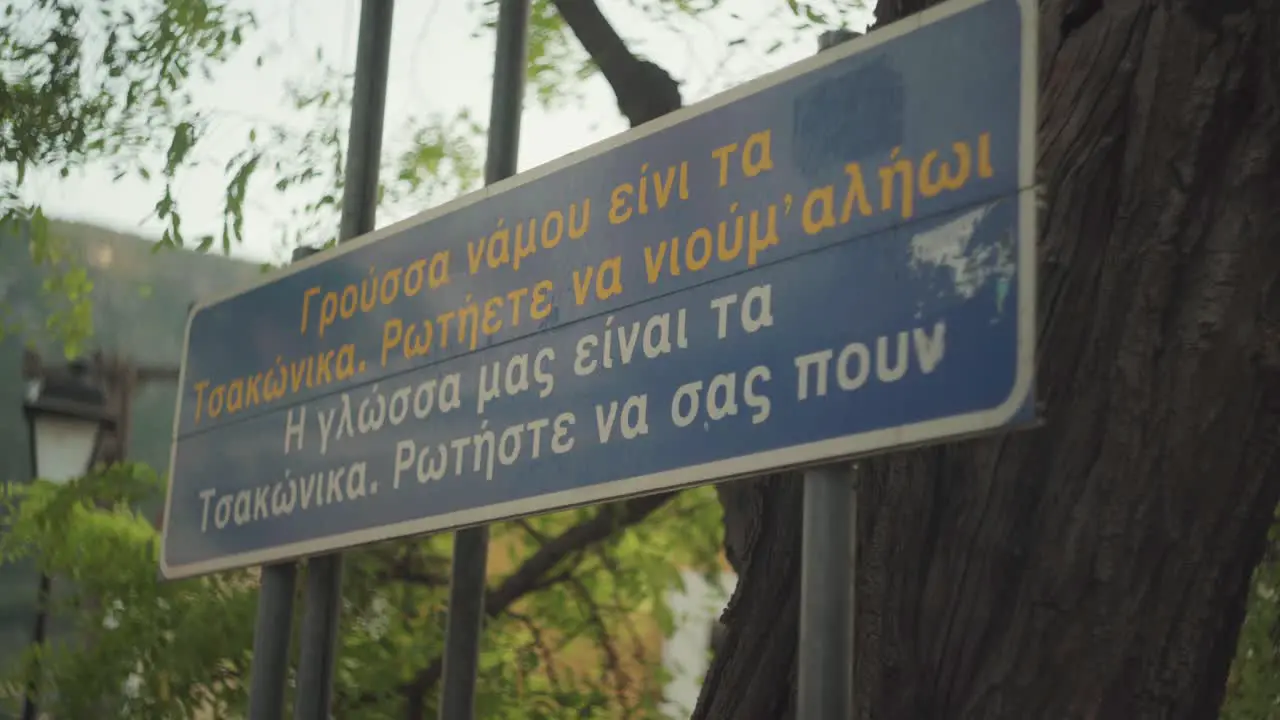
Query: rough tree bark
{"points": [[1097, 567]]}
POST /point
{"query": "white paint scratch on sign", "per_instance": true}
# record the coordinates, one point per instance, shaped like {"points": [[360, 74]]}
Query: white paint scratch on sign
{"points": [[948, 246]]}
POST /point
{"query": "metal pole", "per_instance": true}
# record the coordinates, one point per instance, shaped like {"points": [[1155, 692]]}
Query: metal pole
{"points": [[30, 704], [359, 208], [273, 627], [272, 631], [826, 608], [471, 546], [827, 574], [507, 102]]}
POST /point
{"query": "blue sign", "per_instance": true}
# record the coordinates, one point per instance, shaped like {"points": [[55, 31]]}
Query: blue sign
{"points": [[834, 260]]}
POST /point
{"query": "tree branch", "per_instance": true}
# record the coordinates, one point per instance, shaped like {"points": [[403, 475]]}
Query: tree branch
{"points": [[408, 567], [612, 659], [536, 573], [644, 90], [540, 646]]}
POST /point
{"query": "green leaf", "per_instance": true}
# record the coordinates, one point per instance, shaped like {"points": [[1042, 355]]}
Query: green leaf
{"points": [[179, 147]]}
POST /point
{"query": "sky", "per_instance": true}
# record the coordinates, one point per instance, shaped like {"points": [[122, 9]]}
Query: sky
{"points": [[438, 65]]}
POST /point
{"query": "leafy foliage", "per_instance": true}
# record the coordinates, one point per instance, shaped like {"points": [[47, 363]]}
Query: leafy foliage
{"points": [[1253, 687], [439, 160], [139, 648], [85, 81], [580, 633]]}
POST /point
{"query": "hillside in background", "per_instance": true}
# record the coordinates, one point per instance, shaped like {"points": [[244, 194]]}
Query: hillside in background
{"points": [[140, 302]]}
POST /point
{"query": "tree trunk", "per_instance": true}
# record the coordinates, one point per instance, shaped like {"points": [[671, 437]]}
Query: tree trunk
{"points": [[1096, 567]]}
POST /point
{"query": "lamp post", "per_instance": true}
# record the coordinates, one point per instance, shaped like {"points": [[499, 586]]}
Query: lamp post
{"points": [[66, 415]]}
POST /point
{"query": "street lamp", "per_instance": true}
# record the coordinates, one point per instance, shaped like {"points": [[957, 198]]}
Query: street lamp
{"points": [[66, 418]]}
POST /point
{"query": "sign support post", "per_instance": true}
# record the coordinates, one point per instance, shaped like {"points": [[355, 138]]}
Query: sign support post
{"points": [[273, 626], [471, 545], [359, 206], [271, 633], [827, 577], [828, 573]]}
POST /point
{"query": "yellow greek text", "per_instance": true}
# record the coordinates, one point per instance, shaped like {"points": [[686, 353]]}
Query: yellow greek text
{"points": [[756, 156], [754, 231], [377, 289], [277, 382], [464, 326], [512, 245], [608, 281], [652, 192]]}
